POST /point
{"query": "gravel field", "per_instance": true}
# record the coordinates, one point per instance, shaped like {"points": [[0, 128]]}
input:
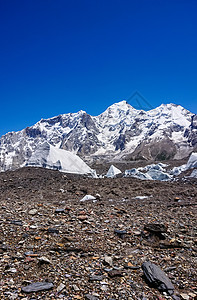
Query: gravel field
{"points": [[95, 249]]}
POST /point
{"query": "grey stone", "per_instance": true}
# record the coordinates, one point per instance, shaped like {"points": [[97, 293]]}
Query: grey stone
{"points": [[120, 233], [17, 222], [90, 297], [33, 211], [108, 260], [53, 230], [59, 210], [96, 278], [156, 277], [37, 286]]}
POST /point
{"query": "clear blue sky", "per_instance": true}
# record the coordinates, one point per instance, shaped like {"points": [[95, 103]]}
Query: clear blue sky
{"points": [[60, 56]]}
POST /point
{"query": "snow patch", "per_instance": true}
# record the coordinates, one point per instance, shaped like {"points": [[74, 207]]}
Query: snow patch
{"points": [[88, 197]]}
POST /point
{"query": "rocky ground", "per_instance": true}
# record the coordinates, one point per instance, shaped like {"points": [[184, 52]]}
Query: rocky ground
{"points": [[94, 249]]}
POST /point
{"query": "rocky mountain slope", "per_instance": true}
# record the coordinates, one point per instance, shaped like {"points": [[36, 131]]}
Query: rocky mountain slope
{"points": [[166, 132]]}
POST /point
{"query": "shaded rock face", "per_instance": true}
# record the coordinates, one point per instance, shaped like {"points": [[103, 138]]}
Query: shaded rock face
{"points": [[194, 131], [166, 132], [32, 132], [194, 122], [154, 150], [191, 132]]}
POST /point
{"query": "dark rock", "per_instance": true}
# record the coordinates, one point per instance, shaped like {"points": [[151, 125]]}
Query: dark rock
{"points": [[155, 232], [4, 247], [155, 228], [157, 278], [175, 297], [37, 286], [128, 266], [25, 235], [115, 273], [73, 249], [168, 245], [96, 278], [17, 222], [120, 233], [53, 230], [170, 269], [59, 210]]}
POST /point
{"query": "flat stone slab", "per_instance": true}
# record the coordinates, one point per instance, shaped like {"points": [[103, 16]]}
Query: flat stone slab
{"points": [[37, 286], [156, 277]]}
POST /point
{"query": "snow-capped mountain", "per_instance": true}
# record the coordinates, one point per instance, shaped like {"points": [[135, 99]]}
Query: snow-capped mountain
{"points": [[168, 131]]}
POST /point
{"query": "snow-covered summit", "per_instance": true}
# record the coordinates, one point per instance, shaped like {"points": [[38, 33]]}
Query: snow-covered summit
{"points": [[168, 131]]}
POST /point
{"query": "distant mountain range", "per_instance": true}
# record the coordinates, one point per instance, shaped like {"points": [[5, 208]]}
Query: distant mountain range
{"points": [[121, 132]]}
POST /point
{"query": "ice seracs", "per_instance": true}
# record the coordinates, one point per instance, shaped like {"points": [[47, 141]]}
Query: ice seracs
{"points": [[48, 156], [112, 172], [150, 172], [192, 162]]}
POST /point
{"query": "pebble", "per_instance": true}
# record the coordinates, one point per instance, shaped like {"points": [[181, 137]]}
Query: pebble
{"points": [[59, 210], [60, 287], [108, 260], [44, 260], [96, 278], [53, 230], [184, 296], [91, 297], [33, 212]]}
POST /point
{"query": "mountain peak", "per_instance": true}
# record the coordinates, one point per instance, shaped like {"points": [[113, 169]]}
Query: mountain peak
{"points": [[121, 131]]}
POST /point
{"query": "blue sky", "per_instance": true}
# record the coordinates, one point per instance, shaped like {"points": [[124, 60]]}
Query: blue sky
{"points": [[61, 56]]}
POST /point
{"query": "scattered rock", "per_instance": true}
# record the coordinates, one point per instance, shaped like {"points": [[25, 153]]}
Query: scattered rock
{"points": [[184, 296], [37, 286], [53, 230], [60, 287], [108, 260], [17, 222], [157, 278], [90, 297], [59, 210], [115, 273], [44, 260], [96, 278], [120, 233], [33, 212]]}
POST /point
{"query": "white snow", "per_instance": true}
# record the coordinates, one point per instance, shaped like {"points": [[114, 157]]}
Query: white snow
{"points": [[88, 197], [141, 197]]}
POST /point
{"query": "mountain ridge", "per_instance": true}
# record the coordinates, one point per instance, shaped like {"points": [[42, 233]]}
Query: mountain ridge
{"points": [[121, 131]]}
